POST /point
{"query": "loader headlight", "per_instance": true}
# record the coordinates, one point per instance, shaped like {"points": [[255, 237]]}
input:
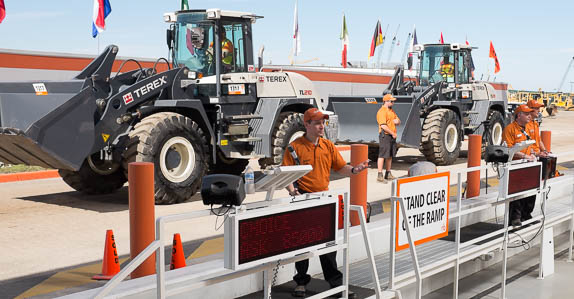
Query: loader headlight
{"points": [[465, 94], [192, 75]]}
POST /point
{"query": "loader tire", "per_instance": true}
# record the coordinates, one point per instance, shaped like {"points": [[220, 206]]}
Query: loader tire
{"points": [[178, 149], [226, 165], [289, 126], [440, 139], [91, 180], [496, 127]]}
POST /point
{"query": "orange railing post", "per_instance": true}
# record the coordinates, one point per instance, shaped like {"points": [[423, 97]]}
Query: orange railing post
{"points": [[473, 177], [546, 137], [359, 154], [142, 216]]}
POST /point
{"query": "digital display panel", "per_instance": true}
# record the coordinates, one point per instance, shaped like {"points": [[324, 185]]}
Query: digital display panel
{"points": [[270, 235], [523, 179]]}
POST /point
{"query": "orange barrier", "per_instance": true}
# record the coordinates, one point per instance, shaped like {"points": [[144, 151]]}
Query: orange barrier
{"points": [[27, 176], [177, 255], [142, 218], [546, 137], [473, 177], [359, 154], [110, 263]]}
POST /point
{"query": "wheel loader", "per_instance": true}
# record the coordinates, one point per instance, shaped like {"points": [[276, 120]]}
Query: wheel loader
{"points": [[436, 109], [210, 112]]}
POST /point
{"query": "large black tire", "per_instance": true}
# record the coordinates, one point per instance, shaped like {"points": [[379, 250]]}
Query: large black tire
{"points": [[288, 127], [95, 177], [177, 147], [225, 165], [441, 137], [495, 128]]}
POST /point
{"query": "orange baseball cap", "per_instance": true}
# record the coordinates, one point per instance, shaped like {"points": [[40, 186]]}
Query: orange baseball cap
{"points": [[314, 114], [389, 97], [523, 108], [534, 104]]}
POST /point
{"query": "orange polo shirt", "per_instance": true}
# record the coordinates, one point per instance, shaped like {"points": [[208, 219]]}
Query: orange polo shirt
{"points": [[513, 134], [533, 129], [323, 157], [385, 116]]}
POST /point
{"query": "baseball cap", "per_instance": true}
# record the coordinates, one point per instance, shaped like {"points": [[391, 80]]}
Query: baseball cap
{"points": [[523, 108], [534, 104], [389, 97], [314, 114]]}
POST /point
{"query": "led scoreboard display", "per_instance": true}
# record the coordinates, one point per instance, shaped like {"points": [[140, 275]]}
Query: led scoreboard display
{"points": [[521, 179], [285, 231]]}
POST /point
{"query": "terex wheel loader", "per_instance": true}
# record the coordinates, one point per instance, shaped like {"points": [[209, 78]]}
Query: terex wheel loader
{"points": [[210, 112], [437, 109]]}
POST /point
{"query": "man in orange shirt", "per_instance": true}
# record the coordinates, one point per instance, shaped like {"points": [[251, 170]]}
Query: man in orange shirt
{"points": [[312, 149], [388, 122], [533, 128], [518, 131]]}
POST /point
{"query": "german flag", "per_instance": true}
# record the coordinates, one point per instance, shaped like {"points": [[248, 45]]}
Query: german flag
{"points": [[378, 39]]}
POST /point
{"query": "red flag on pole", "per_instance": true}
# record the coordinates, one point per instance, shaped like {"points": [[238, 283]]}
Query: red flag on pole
{"points": [[2, 11], [441, 38], [492, 54], [345, 40]]}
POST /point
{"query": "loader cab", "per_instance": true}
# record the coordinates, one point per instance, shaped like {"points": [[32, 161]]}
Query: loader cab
{"points": [[433, 59], [211, 42]]}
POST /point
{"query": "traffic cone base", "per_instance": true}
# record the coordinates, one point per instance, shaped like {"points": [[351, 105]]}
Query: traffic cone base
{"points": [[177, 255], [110, 263]]}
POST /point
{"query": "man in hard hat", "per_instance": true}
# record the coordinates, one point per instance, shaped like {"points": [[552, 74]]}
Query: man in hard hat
{"points": [[388, 121], [518, 131], [313, 149], [447, 68], [533, 128]]}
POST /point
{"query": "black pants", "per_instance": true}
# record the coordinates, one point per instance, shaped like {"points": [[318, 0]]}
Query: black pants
{"points": [[328, 263], [522, 208]]}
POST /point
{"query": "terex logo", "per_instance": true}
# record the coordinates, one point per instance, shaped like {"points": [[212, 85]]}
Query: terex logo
{"points": [[276, 78], [128, 98], [151, 86], [305, 92]]}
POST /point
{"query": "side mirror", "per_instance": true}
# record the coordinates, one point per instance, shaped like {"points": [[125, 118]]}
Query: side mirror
{"points": [[169, 38]]}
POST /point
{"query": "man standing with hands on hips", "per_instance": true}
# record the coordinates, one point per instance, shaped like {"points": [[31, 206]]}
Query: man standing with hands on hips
{"points": [[312, 149], [388, 122]]}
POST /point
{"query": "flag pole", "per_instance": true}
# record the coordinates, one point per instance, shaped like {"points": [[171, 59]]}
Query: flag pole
{"points": [[382, 47], [98, 45]]}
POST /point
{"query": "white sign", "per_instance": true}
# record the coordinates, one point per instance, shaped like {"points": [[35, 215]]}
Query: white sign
{"points": [[40, 89], [236, 89], [426, 201]]}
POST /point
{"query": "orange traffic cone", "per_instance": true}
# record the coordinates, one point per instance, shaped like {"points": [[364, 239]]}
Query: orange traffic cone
{"points": [[177, 256], [110, 264]]}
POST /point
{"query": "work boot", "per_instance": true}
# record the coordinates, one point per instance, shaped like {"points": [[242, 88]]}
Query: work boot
{"points": [[516, 222], [390, 176], [299, 291], [381, 178]]}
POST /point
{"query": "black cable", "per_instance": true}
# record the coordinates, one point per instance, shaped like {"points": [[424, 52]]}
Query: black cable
{"points": [[158, 60], [275, 272], [218, 214], [126, 61]]}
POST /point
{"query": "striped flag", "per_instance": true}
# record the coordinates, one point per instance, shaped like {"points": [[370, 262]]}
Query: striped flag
{"points": [[2, 11], [378, 39], [102, 9], [184, 5], [296, 35], [414, 41], [492, 54], [345, 38]]}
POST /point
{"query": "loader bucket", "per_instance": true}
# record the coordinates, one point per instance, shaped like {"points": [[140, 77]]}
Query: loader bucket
{"points": [[52, 131], [358, 119]]}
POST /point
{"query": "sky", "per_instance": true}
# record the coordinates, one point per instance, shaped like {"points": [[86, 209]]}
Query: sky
{"points": [[533, 39]]}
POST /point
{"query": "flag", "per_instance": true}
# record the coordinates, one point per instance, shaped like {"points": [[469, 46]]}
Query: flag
{"points": [[412, 49], [296, 35], [345, 38], [2, 11], [492, 54], [377, 39], [471, 60], [184, 5], [102, 9], [441, 38]]}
